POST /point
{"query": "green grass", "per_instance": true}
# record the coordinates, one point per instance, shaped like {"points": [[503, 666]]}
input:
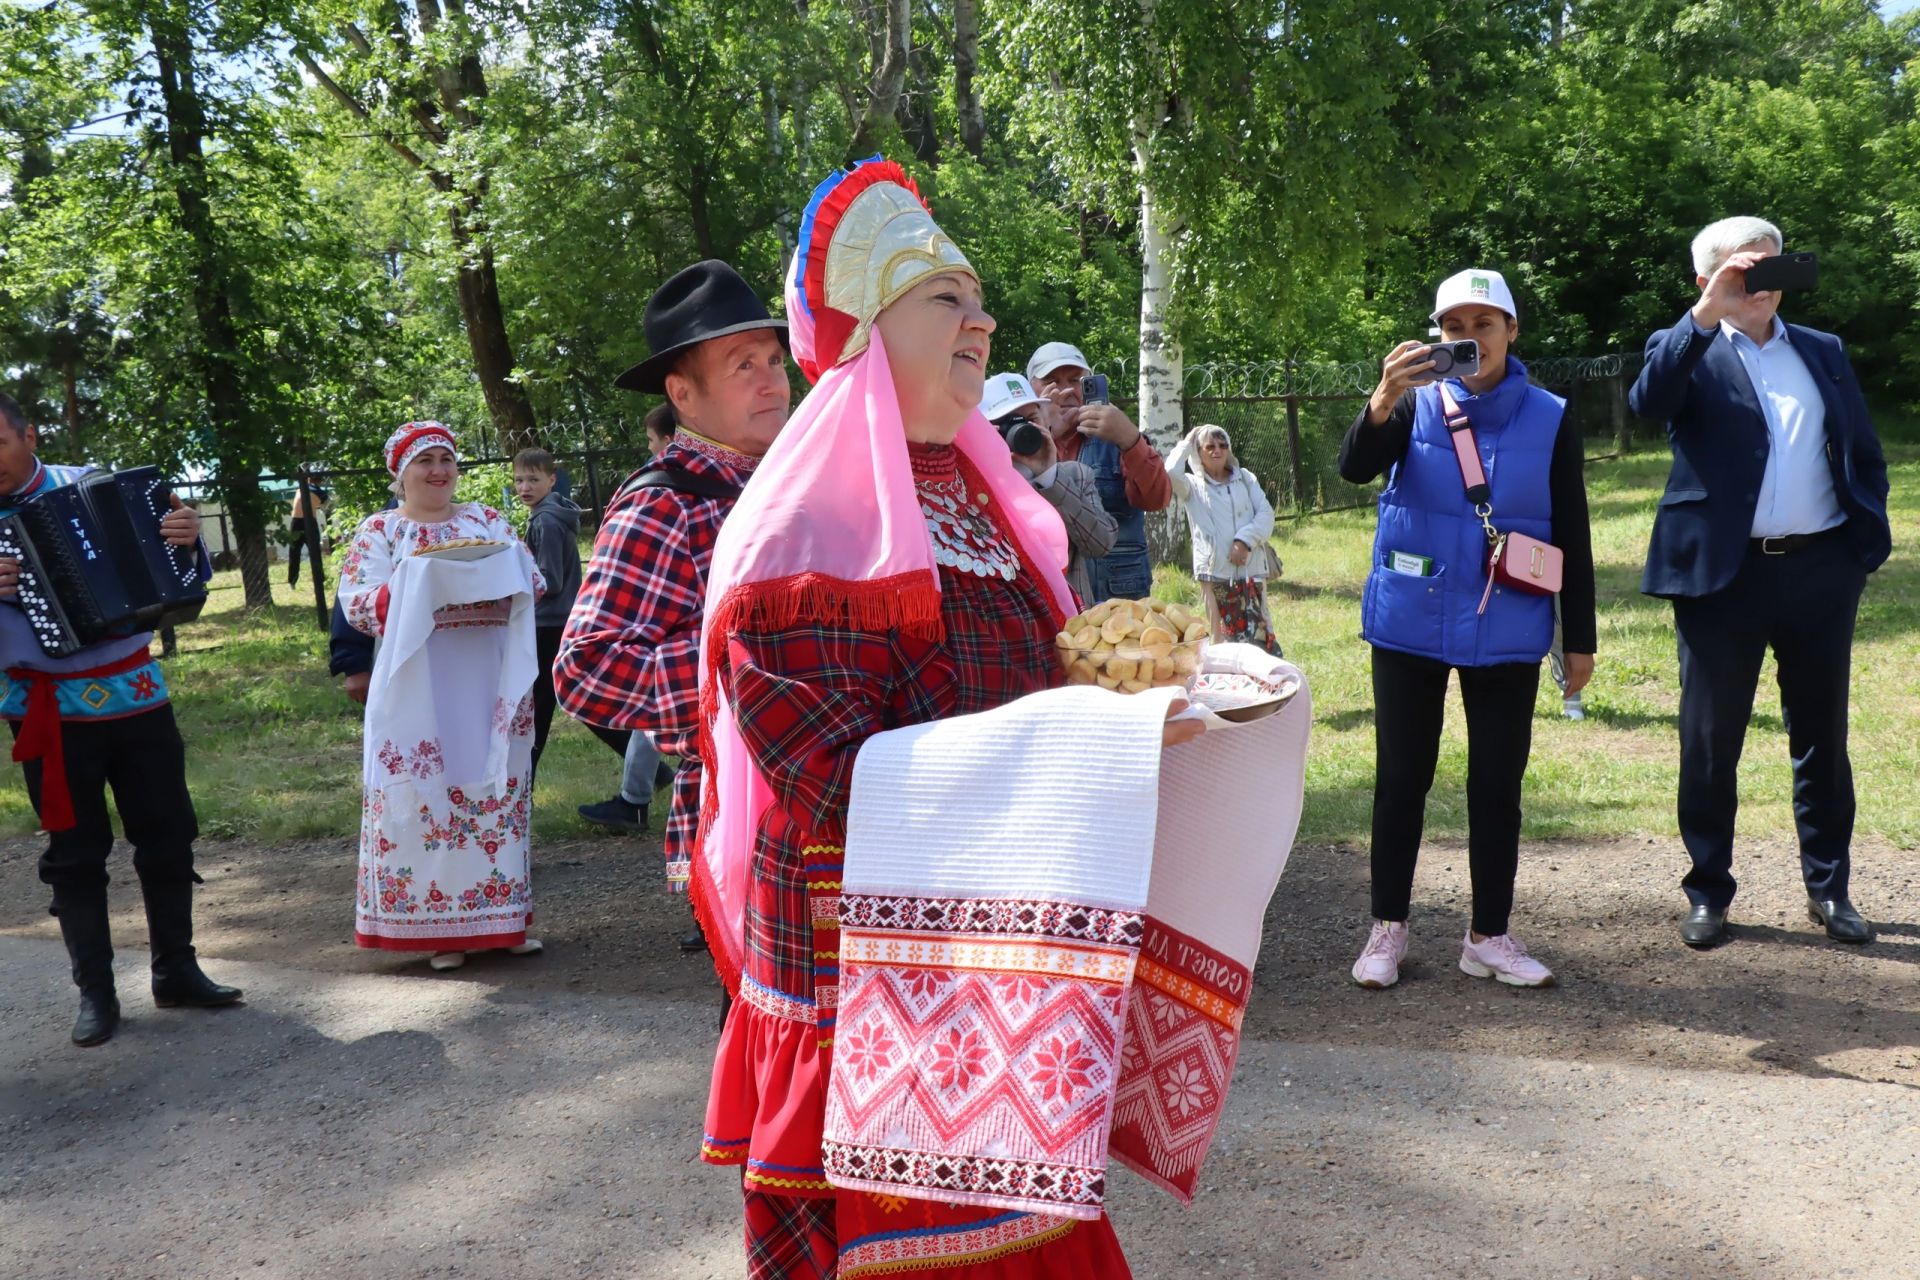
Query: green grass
{"points": [[274, 749]]}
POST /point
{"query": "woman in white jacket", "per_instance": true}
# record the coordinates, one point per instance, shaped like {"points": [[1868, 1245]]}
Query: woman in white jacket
{"points": [[1232, 522]]}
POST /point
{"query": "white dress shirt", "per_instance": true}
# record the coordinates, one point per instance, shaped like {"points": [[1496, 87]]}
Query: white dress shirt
{"points": [[1796, 493]]}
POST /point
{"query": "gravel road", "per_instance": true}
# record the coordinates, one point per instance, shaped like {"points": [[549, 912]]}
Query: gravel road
{"points": [[1750, 1112]]}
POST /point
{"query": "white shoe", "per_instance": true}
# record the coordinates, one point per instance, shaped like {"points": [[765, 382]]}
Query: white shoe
{"points": [[1504, 958], [531, 947], [1379, 962], [445, 960]]}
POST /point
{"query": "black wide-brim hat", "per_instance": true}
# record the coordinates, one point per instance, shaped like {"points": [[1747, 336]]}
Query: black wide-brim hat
{"points": [[707, 300]]}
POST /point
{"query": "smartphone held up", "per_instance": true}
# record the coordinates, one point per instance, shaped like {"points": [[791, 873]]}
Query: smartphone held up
{"points": [[1783, 271], [1452, 359]]}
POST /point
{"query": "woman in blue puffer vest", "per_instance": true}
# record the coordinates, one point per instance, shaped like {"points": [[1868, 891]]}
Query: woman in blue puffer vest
{"points": [[1429, 610]]}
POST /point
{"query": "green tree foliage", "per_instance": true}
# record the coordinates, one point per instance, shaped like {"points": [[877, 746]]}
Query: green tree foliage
{"points": [[1649, 119], [156, 219], [456, 208]]}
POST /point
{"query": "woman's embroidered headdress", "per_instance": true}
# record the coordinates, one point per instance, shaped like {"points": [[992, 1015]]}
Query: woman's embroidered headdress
{"points": [[866, 238], [414, 439]]}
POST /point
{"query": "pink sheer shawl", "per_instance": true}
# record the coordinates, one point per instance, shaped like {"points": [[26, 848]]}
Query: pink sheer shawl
{"points": [[829, 530]]}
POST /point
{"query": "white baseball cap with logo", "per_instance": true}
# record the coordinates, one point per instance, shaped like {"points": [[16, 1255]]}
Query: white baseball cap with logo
{"points": [[1474, 285], [1055, 355], [1004, 393]]}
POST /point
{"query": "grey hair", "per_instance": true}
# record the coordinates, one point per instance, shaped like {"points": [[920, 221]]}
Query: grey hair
{"points": [[1716, 243], [1207, 431]]}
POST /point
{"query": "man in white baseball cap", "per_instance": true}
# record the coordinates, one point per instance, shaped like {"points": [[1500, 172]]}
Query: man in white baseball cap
{"points": [[1131, 477], [1054, 355], [1011, 403]]}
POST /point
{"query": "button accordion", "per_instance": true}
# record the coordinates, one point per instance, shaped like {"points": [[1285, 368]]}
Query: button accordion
{"points": [[93, 565]]}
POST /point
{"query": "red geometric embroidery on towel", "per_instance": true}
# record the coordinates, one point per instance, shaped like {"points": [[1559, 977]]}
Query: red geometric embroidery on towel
{"points": [[1182, 1037], [968, 1044]]}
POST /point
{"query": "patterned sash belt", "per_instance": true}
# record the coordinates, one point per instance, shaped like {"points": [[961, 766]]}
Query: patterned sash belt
{"points": [[40, 737]]}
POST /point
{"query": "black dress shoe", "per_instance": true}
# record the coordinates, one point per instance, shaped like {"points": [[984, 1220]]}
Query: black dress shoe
{"points": [[616, 813], [694, 943], [1842, 921], [179, 982], [99, 1018], [1704, 927]]}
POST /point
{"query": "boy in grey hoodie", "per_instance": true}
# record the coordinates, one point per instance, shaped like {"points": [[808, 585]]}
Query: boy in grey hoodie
{"points": [[553, 533]]}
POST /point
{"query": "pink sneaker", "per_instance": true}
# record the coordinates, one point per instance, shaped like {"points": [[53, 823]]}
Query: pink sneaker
{"points": [[1379, 962], [1504, 958]]}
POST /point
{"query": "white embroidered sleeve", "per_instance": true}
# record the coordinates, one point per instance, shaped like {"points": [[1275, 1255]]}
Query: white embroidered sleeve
{"points": [[364, 574]]}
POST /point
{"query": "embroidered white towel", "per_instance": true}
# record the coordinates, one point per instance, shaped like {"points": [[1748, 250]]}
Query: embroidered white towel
{"points": [[1002, 871], [996, 869], [464, 694]]}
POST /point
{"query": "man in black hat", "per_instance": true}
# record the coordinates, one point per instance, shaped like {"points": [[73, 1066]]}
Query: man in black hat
{"points": [[630, 655]]}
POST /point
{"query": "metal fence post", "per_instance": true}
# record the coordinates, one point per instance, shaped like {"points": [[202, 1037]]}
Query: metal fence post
{"points": [[593, 487], [1293, 441], [310, 536], [1617, 407]]}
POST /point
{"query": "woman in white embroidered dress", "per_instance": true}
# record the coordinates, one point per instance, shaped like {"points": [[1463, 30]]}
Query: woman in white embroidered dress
{"points": [[447, 810]]}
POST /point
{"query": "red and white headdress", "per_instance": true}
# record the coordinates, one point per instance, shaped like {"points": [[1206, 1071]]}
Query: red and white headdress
{"points": [[413, 439], [866, 238]]}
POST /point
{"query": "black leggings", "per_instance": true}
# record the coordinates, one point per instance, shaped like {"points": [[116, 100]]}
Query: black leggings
{"points": [[1409, 702]]}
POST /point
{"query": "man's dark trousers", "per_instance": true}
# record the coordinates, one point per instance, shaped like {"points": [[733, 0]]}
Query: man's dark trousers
{"points": [[1802, 604], [144, 761]]}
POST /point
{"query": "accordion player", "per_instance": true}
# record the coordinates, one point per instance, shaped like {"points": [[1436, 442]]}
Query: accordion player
{"points": [[93, 564]]}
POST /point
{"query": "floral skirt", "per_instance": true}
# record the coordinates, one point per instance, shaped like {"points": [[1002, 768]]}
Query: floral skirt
{"points": [[1237, 613], [444, 868]]}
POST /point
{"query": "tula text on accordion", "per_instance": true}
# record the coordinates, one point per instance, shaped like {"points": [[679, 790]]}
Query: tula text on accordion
{"points": [[93, 564]]}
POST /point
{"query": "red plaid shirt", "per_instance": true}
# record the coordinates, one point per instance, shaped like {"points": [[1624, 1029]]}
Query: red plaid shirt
{"points": [[806, 699], [630, 655]]}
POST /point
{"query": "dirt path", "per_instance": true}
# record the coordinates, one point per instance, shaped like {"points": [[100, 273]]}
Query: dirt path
{"points": [[1750, 1112]]}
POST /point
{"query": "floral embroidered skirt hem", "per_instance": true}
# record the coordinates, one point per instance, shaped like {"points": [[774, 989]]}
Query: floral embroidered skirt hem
{"points": [[1237, 613], [443, 869]]}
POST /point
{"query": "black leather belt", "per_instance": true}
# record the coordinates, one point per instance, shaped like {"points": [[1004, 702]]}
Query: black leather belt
{"points": [[1789, 542]]}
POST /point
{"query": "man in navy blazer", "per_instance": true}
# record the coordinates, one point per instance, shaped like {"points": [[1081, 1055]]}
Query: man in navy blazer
{"points": [[1774, 514]]}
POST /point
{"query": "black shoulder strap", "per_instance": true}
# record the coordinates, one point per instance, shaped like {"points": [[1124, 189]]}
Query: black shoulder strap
{"points": [[664, 475]]}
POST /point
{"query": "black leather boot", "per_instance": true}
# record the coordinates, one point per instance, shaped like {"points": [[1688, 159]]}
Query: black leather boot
{"points": [[99, 1018], [83, 925], [177, 979]]}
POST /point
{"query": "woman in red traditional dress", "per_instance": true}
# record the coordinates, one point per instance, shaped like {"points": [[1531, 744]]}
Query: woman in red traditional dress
{"points": [[887, 567]]}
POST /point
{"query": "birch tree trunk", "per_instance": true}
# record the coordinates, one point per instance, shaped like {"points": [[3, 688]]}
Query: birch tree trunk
{"points": [[1162, 369], [966, 59]]}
